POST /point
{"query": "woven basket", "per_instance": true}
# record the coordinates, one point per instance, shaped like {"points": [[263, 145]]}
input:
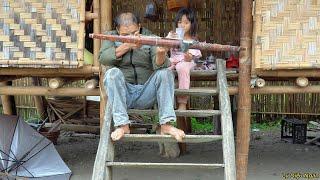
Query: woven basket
{"points": [[286, 34], [175, 5]]}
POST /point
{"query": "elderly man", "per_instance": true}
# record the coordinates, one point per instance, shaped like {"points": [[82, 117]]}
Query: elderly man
{"points": [[138, 78]]}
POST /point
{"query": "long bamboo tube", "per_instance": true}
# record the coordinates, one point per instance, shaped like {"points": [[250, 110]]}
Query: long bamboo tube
{"points": [[173, 43], [38, 100], [96, 29], [8, 103], [244, 103]]}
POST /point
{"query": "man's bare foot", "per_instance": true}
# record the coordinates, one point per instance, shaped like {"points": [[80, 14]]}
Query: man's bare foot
{"points": [[176, 133], [119, 132]]}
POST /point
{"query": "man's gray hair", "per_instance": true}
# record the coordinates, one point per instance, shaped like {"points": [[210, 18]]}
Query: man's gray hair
{"points": [[126, 19]]}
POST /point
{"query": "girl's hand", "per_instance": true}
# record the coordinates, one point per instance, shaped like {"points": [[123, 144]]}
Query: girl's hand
{"points": [[172, 35], [188, 57]]}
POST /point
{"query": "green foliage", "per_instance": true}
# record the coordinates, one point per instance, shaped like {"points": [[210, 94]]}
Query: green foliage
{"points": [[266, 125], [203, 126]]}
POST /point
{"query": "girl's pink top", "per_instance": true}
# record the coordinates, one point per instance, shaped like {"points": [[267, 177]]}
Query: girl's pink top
{"points": [[178, 56]]}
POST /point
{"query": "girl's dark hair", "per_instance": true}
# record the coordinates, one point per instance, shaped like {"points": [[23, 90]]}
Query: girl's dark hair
{"points": [[190, 16]]}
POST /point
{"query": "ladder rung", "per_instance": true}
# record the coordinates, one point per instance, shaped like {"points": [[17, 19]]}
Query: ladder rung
{"points": [[197, 91], [208, 73], [187, 113], [165, 165], [169, 138]]}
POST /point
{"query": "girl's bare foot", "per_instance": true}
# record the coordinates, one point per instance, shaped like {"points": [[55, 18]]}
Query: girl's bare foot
{"points": [[119, 132], [182, 106], [176, 133]]}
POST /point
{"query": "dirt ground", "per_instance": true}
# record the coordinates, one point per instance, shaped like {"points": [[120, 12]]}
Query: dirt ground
{"points": [[269, 159]]}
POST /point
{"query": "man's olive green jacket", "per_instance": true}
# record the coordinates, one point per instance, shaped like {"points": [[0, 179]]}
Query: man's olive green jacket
{"points": [[136, 65]]}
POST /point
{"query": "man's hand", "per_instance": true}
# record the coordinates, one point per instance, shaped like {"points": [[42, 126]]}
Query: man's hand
{"points": [[125, 47], [161, 55]]}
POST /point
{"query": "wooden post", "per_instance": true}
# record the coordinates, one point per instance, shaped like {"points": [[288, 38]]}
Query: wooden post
{"points": [[8, 103], [38, 100], [96, 29], [244, 103]]}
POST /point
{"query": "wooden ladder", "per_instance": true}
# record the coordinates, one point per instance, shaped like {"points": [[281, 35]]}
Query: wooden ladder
{"points": [[104, 161]]}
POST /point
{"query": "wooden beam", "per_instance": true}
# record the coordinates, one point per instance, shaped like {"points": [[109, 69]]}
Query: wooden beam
{"points": [[77, 128], [244, 103], [85, 71]]}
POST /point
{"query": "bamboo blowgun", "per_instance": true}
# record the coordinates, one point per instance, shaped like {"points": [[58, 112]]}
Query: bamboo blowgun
{"points": [[171, 43]]}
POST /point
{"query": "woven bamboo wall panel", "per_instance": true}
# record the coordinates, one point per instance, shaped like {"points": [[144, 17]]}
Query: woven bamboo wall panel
{"points": [[286, 34], [42, 33]]}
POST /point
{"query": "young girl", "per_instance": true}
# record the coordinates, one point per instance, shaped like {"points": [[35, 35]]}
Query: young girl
{"points": [[183, 62]]}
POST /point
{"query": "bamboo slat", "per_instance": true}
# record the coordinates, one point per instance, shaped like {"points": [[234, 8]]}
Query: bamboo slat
{"points": [[286, 34], [46, 34]]}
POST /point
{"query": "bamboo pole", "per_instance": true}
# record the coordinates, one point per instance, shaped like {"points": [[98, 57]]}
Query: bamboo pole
{"points": [[90, 16], [8, 103], [244, 103], [302, 82], [86, 71], [106, 15], [91, 84], [46, 91], [96, 29], [56, 83], [289, 73], [71, 91], [39, 100], [106, 25]]}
